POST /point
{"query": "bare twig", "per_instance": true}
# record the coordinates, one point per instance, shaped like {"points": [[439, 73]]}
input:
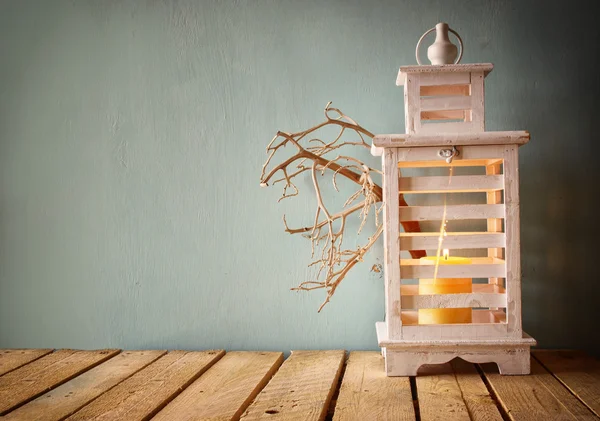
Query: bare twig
{"points": [[331, 260]]}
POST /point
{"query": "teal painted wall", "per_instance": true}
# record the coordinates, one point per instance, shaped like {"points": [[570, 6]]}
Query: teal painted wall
{"points": [[132, 135]]}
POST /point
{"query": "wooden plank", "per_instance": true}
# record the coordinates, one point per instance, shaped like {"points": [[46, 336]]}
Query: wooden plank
{"points": [[440, 397], [438, 103], [452, 241], [456, 184], [368, 394], [453, 212], [488, 296], [30, 381], [301, 389], [538, 396], [474, 392], [225, 390], [519, 137], [579, 372], [74, 394], [391, 242], [145, 393], [513, 240], [482, 267], [11, 359]]}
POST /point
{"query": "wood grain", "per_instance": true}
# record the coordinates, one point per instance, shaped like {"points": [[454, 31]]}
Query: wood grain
{"points": [[149, 390], [30, 381], [579, 372], [453, 212], [512, 252], [440, 397], [452, 240], [225, 390], [368, 394], [11, 359], [479, 403], [301, 389], [538, 396], [74, 394], [458, 184], [391, 243]]}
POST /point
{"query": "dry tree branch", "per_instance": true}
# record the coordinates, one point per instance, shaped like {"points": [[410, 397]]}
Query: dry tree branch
{"points": [[331, 260]]}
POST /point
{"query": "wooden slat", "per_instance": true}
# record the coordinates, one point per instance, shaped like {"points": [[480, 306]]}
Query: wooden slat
{"points": [[11, 359], [538, 396], [428, 79], [448, 139], [74, 394], [452, 241], [301, 389], [440, 397], [442, 163], [225, 390], [368, 394], [579, 372], [481, 268], [445, 90], [442, 115], [149, 390], [453, 127], [453, 335], [453, 212], [480, 404], [456, 184], [439, 103], [476, 331], [427, 156], [391, 243], [30, 381], [483, 295]]}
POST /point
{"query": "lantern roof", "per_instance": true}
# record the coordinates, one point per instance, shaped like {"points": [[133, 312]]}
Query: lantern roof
{"points": [[486, 68]]}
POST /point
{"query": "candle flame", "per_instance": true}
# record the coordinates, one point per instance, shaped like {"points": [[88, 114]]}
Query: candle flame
{"points": [[446, 254]]}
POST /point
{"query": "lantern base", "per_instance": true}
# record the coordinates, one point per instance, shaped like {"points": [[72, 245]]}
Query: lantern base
{"points": [[404, 357]]}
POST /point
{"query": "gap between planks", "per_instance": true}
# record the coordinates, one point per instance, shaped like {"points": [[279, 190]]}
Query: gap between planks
{"points": [[142, 395], [11, 359], [32, 380], [575, 370], [71, 396], [302, 389]]}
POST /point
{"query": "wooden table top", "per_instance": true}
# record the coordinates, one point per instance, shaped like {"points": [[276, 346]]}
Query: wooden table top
{"points": [[74, 385]]}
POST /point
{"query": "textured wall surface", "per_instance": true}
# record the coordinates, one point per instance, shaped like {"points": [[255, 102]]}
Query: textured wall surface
{"points": [[132, 135]]}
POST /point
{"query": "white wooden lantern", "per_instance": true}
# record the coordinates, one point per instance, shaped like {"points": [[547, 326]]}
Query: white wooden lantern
{"points": [[445, 125]]}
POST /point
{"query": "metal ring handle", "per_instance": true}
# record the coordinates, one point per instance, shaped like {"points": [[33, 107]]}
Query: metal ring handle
{"points": [[460, 44]]}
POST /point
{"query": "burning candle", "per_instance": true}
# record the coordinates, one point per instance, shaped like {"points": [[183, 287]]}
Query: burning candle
{"points": [[445, 286]]}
